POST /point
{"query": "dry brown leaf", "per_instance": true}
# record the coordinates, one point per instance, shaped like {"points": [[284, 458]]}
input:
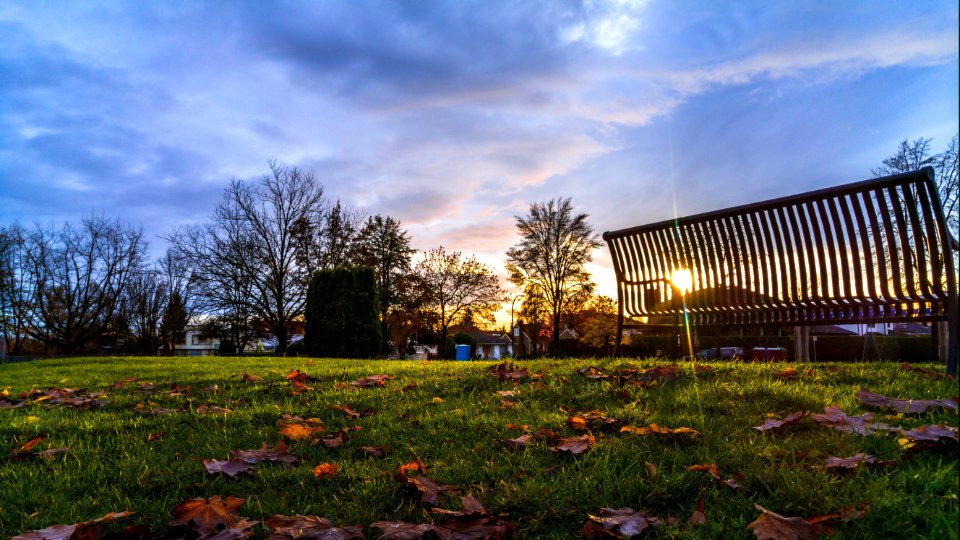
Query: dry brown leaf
{"points": [[399, 530], [208, 517], [212, 409], [372, 381], [156, 435], [932, 433], [651, 469], [662, 431], [909, 406], [279, 453], [574, 445], [713, 470], [773, 526], [246, 377], [88, 530], [352, 413], [229, 468], [325, 471], [429, 490], [929, 373], [517, 443], [851, 463], [617, 523], [577, 423], [841, 421], [773, 425], [787, 374], [299, 432], [698, 518], [309, 528], [375, 451]]}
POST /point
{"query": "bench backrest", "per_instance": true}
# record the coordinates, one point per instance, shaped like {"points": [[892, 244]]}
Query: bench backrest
{"points": [[871, 251]]}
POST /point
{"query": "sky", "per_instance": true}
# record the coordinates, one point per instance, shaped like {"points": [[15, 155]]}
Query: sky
{"points": [[454, 116]]}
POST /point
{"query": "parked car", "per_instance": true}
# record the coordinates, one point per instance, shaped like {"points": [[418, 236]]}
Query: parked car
{"points": [[723, 353]]}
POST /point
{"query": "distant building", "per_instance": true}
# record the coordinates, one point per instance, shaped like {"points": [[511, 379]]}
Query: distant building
{"points": [[196, 344]]}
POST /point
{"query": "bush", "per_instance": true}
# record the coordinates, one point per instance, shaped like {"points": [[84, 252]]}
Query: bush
{"points": [[342, 314]]}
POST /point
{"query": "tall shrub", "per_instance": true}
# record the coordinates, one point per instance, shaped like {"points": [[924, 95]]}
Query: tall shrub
{"points": [[342, 314]]}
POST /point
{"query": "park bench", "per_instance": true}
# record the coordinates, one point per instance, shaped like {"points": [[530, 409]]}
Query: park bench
{"points": [[875, 251]]}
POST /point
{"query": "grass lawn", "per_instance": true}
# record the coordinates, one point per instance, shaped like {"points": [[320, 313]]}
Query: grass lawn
{"points": [[454, 421]]}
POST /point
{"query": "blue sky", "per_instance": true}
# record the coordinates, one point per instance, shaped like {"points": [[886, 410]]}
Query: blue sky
{"points": [[453, 116]]}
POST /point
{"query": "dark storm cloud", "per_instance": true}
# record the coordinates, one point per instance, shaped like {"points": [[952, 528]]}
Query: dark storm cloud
{"points": [[397, 52]]}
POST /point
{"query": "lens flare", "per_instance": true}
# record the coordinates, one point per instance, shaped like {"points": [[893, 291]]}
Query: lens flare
{"points": [[682, 279]]}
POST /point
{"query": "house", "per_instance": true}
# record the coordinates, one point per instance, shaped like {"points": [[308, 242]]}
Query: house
{"points": [[196, 344], [492, 345]]}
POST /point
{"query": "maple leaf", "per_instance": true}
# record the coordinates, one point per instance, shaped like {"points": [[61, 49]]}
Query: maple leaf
{"points": [[841, 421], [375, 451], [517, 443], [352, 413], [309, 528], [932, 433], [929, 373], [713, 470], [619, 523], [372, 381], [429, 490], [574, 445], [229, 468], [246, 377], [662, 431], [88, 530], [399, 530], [508, 370], [593, 373], [773, 425], [773, 526], [299, 432], [279, 453], [325, 471], [300, 377], [859, 459], [910, 406], [212, 409], [208, 517]]}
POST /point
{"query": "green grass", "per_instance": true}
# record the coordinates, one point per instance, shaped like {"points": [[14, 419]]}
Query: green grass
{"points": [[111, 467]]}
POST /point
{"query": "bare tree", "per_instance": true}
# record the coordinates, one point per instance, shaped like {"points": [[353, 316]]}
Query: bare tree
{"points": [[452, 285], [554, 246], [78, 275], [916, 154], [146, 300], [15, 290], [247, 259]]}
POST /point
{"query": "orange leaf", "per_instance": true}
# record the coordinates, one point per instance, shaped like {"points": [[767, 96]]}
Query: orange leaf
{"points": [[325, 470], [298, 432]]}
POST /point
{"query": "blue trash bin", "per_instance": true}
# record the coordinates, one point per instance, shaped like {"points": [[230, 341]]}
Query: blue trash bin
{"points": [[463, 352]]}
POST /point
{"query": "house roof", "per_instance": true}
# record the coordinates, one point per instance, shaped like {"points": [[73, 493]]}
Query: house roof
{"points": [[830, 329]]}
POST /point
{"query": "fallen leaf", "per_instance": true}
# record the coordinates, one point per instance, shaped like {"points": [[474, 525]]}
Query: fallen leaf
{"points": [[372, 381], [299, 432], [909, 406], [932, 433], [27, 446], [309, 528], [519, 442], [246, 377], [411, 466], [851, 463], [574, 445], [159, 411], [618, 523], [698, 518], [773, 425], [429, 491], [120, 384], [662, 431], [207, 517], [773, 526], [279, 453], [577, 423], [544, 434], [666, 373], [508, 370], [506, 393], [88, 530], [325, 471], [841, 421], [593, 373], [176, 390], [154, 436], [399, 530], [713, 470], [352, 413], [229, 468], [300, 377], [212, 409], [50, 452], [375, 451], [651, 469], [507, 404], [929, 373], [410, 386]]}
